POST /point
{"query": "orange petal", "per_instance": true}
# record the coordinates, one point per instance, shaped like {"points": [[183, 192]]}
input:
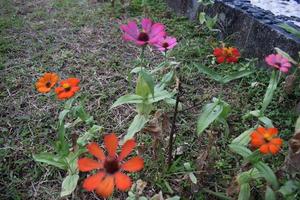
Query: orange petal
{"points": [[87, 164], [134, 164], [93, 181], [276, 141], [73, 81], [111, 144], [126, 149], [273, 131], [261, 130], [264, 149], [43, 89], [123, 181], [96, 151], [274, 148], [257, 139], [106, 187], [65, 95]]}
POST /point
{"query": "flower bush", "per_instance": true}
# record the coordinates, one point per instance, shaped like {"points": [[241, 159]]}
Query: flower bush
{"points": [[158, 90]]}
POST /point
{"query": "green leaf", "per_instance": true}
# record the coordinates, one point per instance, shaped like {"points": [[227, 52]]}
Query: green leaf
{"points": [[275, 77], [89, 135], [270, 194], [142, 89], [62, 115], [148, 79], [159, 95], [267, 173], [241, 150], [247, 176], [267, 121], [51, 159], [212, 74], [174, 198], [202, 18], [69, 184], [81, 113], [289, 188], [165, 80], [236, 75], [290, 29], [69, 103], [193, 177], [136, 125], [244, 192], [126, 99], [209, 114], [286, 55], [244, 138]]}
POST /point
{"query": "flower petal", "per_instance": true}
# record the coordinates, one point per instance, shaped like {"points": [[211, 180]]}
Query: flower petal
{"points": [[264, 148], [106, 187], [146, 25], [111, 144], [276, 141], [126, 149], [134, 164], [273, 148], [96, 151], [87, 164], [123, 182], [273, 131], [93, 181]]}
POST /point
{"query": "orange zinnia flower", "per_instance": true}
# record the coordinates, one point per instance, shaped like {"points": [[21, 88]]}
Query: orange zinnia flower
{"points": [[67, 88], [110, 167], [46, 82], [265, 139]]}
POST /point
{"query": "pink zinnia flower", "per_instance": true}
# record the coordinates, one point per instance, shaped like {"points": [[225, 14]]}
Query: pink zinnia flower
{"points": [[279, 62], [166, 43], [150, 33]]}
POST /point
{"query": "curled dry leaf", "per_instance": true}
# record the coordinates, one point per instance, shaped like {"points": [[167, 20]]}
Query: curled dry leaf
{"points": [[140, 186], [289, 84], [292, 161]]}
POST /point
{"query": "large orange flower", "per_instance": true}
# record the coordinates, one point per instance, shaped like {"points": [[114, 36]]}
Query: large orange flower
{"points": [[67, 88], [266, 140], [46, 82], [110, 167]]}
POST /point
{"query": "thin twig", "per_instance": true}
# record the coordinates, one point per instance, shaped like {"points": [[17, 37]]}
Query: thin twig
{"points": [[173, 126]]}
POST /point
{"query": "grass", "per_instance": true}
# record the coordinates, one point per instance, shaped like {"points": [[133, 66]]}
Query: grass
{"points": [[82, 38]]}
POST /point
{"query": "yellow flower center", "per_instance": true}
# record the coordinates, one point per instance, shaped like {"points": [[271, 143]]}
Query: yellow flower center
{"points": [[228, 51], [268, 136], [66, 85]]}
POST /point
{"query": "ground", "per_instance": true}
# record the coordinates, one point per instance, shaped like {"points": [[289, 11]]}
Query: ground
{"points": [[82, 38]]}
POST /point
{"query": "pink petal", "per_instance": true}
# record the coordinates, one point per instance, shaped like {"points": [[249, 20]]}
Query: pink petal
{"points": [[131, 29], [146, 25], [156, 29]]}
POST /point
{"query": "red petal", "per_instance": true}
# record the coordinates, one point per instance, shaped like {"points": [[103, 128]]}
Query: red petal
{"points": [[106, 187], [134, 164], [111, 144], [123, 182], [96, 151], [93, 181], [73, 81], [87, 164], [276, 141], [261, 130], [257, 139], [126, 149], [273, 131], [264, 149], [274, 148]]}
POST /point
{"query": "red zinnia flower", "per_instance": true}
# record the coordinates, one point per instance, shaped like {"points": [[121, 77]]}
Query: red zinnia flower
{"points": [[265, 139], [227, 54], [110, 167], [67, 88]]}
